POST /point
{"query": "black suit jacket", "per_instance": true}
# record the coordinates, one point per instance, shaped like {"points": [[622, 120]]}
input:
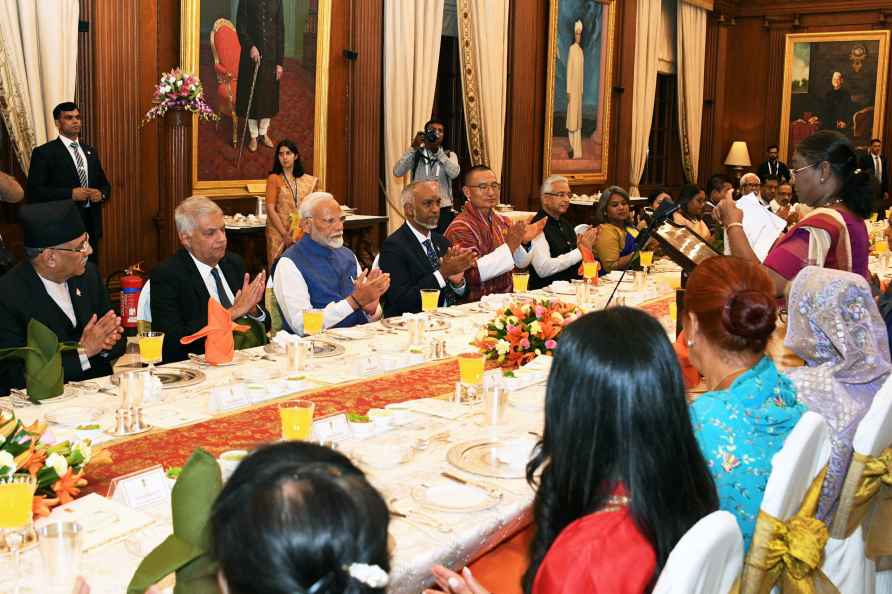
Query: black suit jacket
{"points": [[23, 296], [764, 170], [410, 270], [867, 163], [179, 300], [53, 175]]}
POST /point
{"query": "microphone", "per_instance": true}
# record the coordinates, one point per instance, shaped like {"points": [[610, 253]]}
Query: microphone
{"points": [[661, 214]]}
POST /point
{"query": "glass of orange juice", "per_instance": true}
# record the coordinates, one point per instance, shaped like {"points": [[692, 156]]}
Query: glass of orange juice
{"points": [[297, 419], [521, 281], [590, 270], [16, 499], [647, 258], [430, 298], [151, 346], [881, 247], [470, 368], [313, 319]]}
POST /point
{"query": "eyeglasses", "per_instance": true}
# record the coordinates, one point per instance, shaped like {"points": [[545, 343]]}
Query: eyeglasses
{"points": [[801, 169], [560, 194], [83, 249], [494, 186]]}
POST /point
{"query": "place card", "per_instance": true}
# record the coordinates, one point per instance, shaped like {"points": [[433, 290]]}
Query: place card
{"points": [[142, 489], [328, 427], [229, 398]]}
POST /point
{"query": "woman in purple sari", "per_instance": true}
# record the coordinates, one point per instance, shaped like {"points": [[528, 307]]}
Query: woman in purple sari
{"points": [[833, 234], [835, 326]]}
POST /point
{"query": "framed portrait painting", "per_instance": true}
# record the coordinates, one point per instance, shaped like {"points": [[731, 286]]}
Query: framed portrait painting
{"points": [[834, 81], [578, 89], [264, 68]]}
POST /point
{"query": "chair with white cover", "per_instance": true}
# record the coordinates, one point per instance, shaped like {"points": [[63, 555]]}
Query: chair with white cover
{"points": [[856, 521], [143, 306], [707, 559], [782, 520]]}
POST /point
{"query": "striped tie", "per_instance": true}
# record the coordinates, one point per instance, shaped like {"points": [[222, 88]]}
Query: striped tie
{"points": [[79, 162]]}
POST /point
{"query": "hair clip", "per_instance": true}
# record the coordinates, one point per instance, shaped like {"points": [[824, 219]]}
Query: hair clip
{"points": [[370, 575], [857, 171]]}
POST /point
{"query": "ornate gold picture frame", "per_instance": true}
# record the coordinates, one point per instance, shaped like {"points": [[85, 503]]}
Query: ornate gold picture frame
{"points": [[834, 81], [577, 130], [210, 47]]}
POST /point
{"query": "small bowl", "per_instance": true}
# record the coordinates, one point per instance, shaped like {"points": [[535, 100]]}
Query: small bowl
{"points": [[229, 460]]}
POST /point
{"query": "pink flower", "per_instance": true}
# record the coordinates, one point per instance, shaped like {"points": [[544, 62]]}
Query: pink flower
{"points": [[540, 311], [525, 343], [550, 344]]}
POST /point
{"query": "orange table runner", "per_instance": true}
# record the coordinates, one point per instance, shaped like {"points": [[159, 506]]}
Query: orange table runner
{"points": [[258, 425]]}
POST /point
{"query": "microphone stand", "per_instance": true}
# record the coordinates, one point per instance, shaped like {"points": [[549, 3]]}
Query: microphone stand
{"points": [[658, 219]]}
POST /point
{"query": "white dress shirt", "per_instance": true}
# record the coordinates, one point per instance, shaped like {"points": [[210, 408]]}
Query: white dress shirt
{"points": [[58, 292], [205, 271], [501, 260], [293, 297], [421, 239], [546, 265]]}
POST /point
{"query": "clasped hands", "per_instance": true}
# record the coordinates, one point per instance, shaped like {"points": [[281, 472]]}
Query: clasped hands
{"points": [[523, 232], [368, 288], [455, 261], [86, 195], [101, 334], [247, 298]]}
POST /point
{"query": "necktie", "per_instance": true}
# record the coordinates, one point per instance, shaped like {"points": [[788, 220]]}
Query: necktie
{"points": [[878, 167], [431, 254], [221, 291], [79, 162]]}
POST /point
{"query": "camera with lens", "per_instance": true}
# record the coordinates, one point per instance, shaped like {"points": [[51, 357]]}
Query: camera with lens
{"points": [[430, 135]]}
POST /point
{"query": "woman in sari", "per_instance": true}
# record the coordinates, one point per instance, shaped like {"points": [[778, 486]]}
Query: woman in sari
{"points": [[833, 234], [615, 248], [286, 186], [835, 327], [692, 200]]}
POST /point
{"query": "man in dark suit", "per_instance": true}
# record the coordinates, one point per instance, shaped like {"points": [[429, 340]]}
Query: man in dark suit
{"points": [[201, 269], [66, 169], [773, 167], [58, 287], [417, 257], [875, 161]]}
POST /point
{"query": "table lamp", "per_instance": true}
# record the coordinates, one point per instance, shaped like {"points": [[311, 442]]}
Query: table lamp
{"points": [[738, 158]]}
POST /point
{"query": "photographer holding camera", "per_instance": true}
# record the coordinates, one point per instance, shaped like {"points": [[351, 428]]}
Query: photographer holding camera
{"points": [[427, 159]]}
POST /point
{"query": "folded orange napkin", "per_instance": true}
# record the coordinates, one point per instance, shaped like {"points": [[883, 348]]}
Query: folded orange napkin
{"points": [[220, 345]]}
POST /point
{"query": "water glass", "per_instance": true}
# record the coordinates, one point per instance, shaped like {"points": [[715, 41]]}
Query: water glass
{"points": [[61, 547], [495, 404], [640, 280]]}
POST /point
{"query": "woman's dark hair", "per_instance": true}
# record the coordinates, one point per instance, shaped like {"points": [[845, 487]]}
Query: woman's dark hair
{"points": [[298, 169], [859, 186], [615, 411], [655, 194], [293, 517], [716, 182], [733, 300], [601, 212], [685, 195]]}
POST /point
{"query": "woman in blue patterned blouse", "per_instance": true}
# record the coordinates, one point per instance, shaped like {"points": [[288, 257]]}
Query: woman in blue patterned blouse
{"points": [[750, 408]]}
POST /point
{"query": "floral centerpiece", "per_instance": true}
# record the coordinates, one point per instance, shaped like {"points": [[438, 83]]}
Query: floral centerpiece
{"points": [[521, 331], [58, 468], [179, 90]]}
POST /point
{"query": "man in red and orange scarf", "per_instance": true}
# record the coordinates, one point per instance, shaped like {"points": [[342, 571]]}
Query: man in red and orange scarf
{"points": [[497, 241]]}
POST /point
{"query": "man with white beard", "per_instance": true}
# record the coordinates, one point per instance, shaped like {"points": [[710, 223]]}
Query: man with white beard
{"points": [[318, 272]]}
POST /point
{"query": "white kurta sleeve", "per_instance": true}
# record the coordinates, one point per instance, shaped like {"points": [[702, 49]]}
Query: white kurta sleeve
{"points": [[497, 262], [546, 265], [293, 296]]}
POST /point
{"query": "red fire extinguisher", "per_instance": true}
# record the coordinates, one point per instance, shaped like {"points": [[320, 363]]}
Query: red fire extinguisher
{"points": [[131, 286]]}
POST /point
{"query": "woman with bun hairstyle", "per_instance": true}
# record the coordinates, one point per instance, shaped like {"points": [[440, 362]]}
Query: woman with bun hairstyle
{"points": [[750, 408], [833, 234]]}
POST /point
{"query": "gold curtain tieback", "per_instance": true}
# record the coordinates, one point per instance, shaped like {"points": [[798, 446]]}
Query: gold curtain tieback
{"points": [[874, 492]]}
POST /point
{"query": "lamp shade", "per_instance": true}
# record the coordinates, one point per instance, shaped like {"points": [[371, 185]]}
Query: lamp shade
{"points": [[739, 155]]}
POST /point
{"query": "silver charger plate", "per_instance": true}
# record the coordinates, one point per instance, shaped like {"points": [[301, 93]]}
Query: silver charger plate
{"points": [[433, 324], [20, 397], [172, 377], [481, 457], [321, 348]]}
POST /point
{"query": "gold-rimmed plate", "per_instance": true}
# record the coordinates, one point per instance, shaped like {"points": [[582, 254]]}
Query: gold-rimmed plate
{"points": [[172, 377], [449, 496], [493, 458], [433, 324]]}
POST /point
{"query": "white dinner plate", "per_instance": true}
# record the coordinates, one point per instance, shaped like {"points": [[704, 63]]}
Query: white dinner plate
{"points": [[449, 496], [72, 416]]}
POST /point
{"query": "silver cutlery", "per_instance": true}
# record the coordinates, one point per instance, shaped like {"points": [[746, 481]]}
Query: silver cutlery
{"points": [[491, 489], [415, 516]]}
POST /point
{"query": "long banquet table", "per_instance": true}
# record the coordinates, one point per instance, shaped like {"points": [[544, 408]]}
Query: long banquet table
{"points": [[375, 370]]}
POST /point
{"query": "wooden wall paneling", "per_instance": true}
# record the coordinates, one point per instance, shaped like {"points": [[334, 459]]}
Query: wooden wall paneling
{"points": [[339, 124], [115, 119], [624, 89], [525, 108], [710, 83], [366, 33], [761, 8], [774, 86], [83, 84]]}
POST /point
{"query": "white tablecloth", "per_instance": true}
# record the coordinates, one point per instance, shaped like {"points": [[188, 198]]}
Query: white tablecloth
{"points": [[110, 567]]}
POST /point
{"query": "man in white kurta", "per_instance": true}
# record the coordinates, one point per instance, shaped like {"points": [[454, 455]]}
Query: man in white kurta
{"points": [[575, 64]]}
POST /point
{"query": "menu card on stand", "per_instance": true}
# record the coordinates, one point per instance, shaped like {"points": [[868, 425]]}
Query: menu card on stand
{"points": [[103, 520], [146, 490]]}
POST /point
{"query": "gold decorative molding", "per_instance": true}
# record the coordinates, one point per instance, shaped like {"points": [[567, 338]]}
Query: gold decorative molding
{"points": [[470, 93]]}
